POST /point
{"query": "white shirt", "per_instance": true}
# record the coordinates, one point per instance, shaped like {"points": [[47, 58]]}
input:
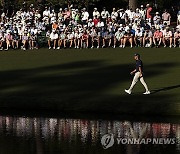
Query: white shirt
{"points": [[53, 36], [46, 13], [138, 33], [96, 13], [114, 15], [85, 15], [105, 14], [167, 34]]}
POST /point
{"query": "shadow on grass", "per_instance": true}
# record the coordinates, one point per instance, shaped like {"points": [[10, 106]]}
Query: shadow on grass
{"points": [[80, 86], [165, 89]]}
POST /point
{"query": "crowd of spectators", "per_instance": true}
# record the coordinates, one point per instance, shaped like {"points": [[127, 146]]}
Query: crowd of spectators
{"points": [[74, 28]]}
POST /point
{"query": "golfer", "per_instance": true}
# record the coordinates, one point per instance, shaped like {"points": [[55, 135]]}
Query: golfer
{"points": [[138, 75]]}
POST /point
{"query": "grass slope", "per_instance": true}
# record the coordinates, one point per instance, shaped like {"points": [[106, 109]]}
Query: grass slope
{"points": [[90, 80]]}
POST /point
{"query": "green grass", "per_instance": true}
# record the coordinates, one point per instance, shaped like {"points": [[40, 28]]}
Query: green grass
{"points": [[90, 80]]}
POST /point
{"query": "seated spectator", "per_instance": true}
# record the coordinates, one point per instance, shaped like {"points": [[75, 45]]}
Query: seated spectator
{"points": [[25, 40], [70, 38], [85, 40], [105, 37], [15, 42], [77, 39], [9, 39], [147, 39], [167, 37], [177, 38], [138, 37], [2, 39], [62, 40], [32, 41], [94, 37], [128, 36], [119, 37], [53, 39], [157, 37]]}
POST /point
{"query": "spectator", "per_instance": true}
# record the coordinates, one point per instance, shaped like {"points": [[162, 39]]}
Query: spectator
{"points": [[177, 38], [167, 37], [147, 39], [157, 19], [53, 38], [157, 37], [138, 37], [96, 13], [166, 17], [128, 36], [148, 12], [119, 37]]}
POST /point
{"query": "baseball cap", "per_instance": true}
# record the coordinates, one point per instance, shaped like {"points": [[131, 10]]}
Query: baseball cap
{"points": [[136, 54]]}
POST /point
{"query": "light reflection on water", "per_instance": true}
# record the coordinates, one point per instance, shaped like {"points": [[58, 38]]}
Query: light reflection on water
{"points": [[54, 135]]}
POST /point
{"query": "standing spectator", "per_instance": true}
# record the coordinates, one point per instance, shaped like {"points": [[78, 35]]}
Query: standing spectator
{"points": [[123, 17], [131, 16], [137, 16], [167, 37], [166, 17], [157, 19], [178, 18], [53, 16], [148, 12], [114, 15], [95, 20], [67, 16], [143, 12], [104, 14], [60, 15], [85, 16], [96, 13], [157, 37]]}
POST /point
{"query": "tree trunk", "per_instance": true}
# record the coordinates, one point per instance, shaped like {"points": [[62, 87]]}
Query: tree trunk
{"points": [[133, 4]]}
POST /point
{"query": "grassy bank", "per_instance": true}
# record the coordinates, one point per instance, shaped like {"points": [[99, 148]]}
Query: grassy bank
{"points": [[90, 81]]}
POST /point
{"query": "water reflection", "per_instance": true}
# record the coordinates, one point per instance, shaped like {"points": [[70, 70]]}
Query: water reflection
{"points": [[53, 135]]}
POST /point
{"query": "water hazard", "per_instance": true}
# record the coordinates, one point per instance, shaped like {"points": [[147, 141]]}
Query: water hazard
{"points": [[38, 135]]}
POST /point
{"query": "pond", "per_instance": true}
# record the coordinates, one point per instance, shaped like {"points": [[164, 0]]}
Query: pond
{"points": [[39, 135]]}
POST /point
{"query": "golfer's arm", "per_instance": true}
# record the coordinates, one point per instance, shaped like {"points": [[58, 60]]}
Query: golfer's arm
{"points": [[133, 71], [140, 70]]}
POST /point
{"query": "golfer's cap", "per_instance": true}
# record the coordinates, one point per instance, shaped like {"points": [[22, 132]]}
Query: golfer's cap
{"points": [[142, 6], [136, 54]]}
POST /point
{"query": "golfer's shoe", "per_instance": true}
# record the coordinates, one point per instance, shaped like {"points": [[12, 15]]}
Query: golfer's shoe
{"points": [[127, 91], [147, 93]]}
